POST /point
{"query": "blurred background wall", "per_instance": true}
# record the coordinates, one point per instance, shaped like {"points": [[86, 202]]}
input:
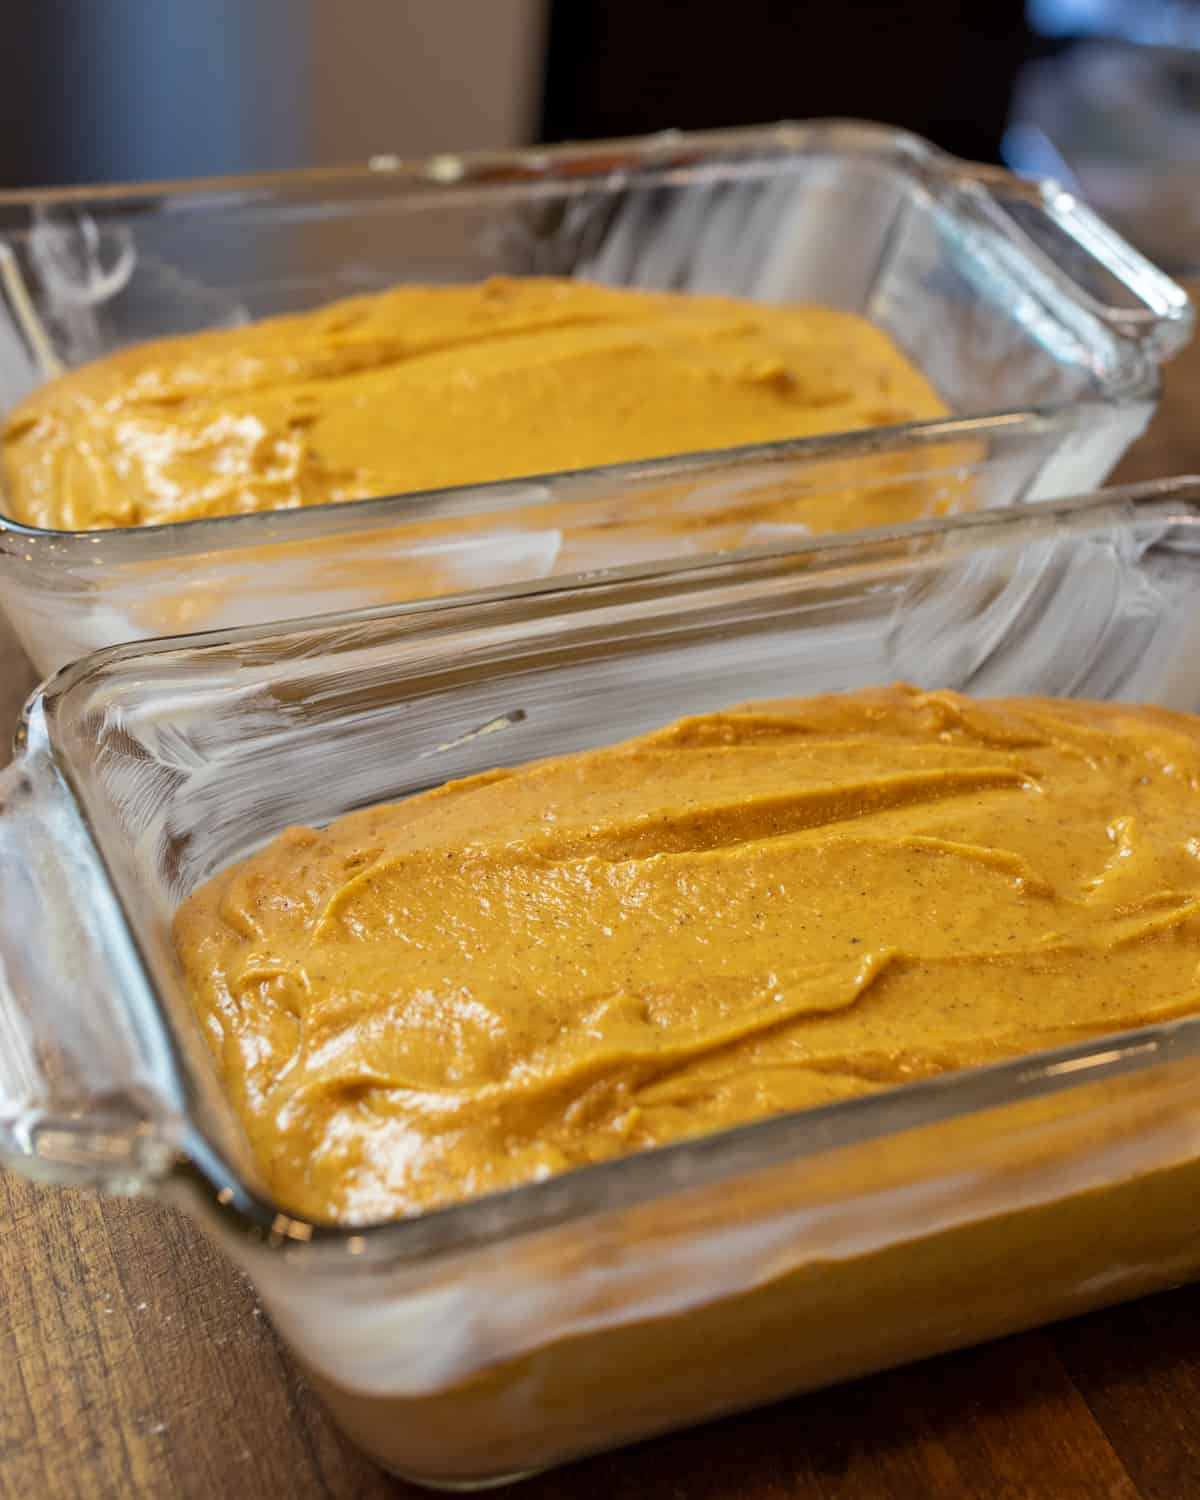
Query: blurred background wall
{"points": [[1104, 94], [100, 90], [112, 90], [434, 75]]}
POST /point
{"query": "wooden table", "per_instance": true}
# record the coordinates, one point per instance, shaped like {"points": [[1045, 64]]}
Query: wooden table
{"points": [[135, 1362]]}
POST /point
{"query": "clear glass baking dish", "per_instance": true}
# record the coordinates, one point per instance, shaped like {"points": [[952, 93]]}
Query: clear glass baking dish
{"points": [[1042, 330], [519, 1330]]}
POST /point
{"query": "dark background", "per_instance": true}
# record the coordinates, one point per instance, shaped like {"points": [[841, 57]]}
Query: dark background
{"points": [[944, 68]]}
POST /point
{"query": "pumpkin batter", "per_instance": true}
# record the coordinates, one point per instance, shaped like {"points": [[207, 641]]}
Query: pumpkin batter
{"points": [[423, 387], [742, 913]]}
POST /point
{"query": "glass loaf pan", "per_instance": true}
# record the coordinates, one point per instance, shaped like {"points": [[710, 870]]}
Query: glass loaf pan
{"points": [[517, 1331], [1042, 330]]}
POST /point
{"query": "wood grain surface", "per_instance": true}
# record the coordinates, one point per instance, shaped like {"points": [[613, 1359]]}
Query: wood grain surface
{"points": [[135, 1362]]}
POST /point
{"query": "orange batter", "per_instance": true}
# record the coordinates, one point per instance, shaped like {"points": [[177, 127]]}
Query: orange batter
{"points": [[740, 914], [423, 387]]}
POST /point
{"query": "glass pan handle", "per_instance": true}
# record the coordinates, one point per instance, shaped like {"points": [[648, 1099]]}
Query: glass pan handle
{"points": [[79, 1098], [1090, 260]]}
